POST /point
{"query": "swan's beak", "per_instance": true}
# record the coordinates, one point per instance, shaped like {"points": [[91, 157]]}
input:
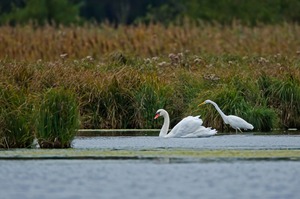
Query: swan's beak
{"points": [[201, 104], [156, 116]]}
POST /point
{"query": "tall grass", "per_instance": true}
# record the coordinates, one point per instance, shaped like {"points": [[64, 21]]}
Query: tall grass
{"points": [[284, 95], [16, 124], [263, 118], [58, 119], [151, 95]]}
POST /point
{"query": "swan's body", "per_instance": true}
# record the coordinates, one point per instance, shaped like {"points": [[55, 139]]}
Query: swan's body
{"points": [[235, 122], [188, 127]]}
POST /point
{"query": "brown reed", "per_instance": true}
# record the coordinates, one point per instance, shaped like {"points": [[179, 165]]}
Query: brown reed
{"points": [[50, 43]]}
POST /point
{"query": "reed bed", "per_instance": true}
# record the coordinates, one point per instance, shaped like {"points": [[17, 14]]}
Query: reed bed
{"points": [[119, 77], [49, 43]]}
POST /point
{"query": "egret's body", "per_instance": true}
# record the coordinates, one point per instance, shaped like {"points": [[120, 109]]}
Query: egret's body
{"points": [[235, 122], [188, 127]]}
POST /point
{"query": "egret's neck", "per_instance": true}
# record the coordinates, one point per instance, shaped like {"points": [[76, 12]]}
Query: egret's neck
{"points": [[220, 111], [165, 128]]}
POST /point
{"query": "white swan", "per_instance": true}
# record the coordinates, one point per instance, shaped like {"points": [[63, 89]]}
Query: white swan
{"points": [[234, 121], [188, 127]]}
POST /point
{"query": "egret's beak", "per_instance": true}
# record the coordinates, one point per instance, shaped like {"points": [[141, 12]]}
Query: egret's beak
{"points": [[201, 104], [156, 116]]}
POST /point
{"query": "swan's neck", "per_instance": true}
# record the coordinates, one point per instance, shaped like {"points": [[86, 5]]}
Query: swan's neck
{"points": [[220, 111], [165, 128]]}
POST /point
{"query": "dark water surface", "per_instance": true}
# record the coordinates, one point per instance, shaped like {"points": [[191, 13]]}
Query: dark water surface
{"points": [[157, 178]]}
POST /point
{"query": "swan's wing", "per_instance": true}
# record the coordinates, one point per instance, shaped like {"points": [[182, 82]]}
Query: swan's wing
{"points": [[186, 126], [202, 132]]}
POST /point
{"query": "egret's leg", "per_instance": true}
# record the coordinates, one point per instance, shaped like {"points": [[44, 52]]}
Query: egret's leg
{"points": [[240, 130]]}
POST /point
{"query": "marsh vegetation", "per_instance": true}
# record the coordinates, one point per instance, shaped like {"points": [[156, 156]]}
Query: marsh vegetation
{"points": [[58, 79]]}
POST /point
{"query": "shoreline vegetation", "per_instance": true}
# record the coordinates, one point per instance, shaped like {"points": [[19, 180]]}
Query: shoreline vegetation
{"points": [[55, 80]]}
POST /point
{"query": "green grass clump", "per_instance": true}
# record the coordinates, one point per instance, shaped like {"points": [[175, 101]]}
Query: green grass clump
{"points": [[57, 119], [284, 95], [149, 97], [116, 107], [109, 103], [15, 118], [262, 118], [125, 98]]}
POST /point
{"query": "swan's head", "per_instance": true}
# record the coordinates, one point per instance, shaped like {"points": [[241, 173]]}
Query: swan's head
{"points": [[205, 102], [159, 112]]}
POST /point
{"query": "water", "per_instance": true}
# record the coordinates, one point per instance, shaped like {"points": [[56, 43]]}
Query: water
{"points": [[215, 142], [158, 177]]}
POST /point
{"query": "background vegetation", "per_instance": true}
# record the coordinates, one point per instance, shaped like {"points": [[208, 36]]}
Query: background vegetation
{"points": [[122, 75], [59, 74], [135, 11]]}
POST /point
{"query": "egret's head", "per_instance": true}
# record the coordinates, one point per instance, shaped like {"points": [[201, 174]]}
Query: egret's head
{"points": [[205, 102], [202, 103]]}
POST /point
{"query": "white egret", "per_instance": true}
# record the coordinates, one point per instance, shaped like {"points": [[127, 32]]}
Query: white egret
{"points": [[188, 127], [234, 121]]}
